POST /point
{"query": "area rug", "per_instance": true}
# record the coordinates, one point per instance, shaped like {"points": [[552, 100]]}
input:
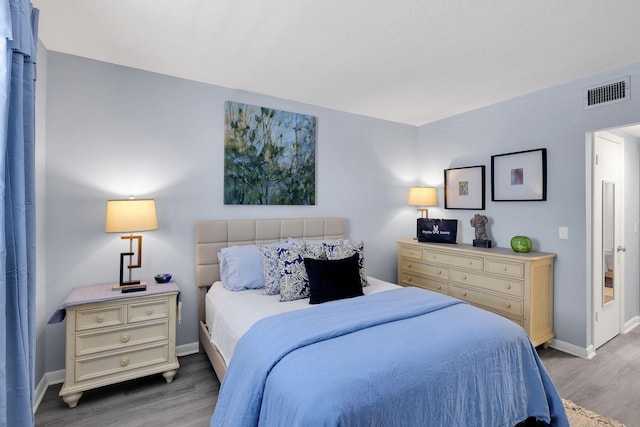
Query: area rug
{"points": [[580, 417]]}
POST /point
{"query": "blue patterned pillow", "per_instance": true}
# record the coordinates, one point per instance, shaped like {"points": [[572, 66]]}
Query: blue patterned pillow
{"points": [[346, 250], [294, 281], [273, 260]]}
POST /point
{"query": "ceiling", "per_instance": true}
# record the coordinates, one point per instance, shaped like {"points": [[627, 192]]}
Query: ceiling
{"points": [[408, 61]]}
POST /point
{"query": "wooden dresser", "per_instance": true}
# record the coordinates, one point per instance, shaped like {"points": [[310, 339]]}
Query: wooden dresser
{"points": [[116, 340], [518, 286]]}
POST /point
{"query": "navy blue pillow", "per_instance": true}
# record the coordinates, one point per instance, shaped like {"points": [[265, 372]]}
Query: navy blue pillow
{"points": [[333, 279]]}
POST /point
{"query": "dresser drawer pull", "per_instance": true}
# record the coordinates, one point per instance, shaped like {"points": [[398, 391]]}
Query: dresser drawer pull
{"points": [[149, 311], [124, 361], [409, 265], [464, 294], [409, 279], [439, 287], [507, 304], [464, 277], [100, 318], [125, 337], [439, 272], [504, 268], [508, 286]]}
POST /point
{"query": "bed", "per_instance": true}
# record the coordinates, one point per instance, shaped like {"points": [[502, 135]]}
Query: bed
{"points": [[410, 356]]}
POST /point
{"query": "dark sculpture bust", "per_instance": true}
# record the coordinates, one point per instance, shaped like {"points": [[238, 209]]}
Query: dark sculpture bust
{"points": [[479, 222]]}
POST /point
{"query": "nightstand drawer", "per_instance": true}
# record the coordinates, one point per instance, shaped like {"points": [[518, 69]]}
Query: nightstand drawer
{"points": [[431, 270], [506, 268], [93, 342], [147, 310], [473, 263], [422, 282], [504, 286], [514, 307], [99, 317], [98, 366]]}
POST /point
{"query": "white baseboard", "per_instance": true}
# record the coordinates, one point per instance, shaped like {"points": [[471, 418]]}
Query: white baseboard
{"points": [[631, 324], [586, 353], [57, 377], [187, 349]]}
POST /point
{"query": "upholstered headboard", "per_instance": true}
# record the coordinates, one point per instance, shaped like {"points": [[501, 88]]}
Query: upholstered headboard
{"points": [[213, 235]]}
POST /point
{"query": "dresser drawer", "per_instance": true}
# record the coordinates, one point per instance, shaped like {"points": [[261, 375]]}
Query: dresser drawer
{"points": [[98, 366], [147, 310], [422, 282], [99, 317], [504, 304], [471, 262], [113, 339], [428, 269], [412, 253], [505, 268], [504, 286]]}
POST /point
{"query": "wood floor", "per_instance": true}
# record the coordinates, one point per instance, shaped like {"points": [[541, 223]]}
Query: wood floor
{"points": [[187, 401], [608, 384]]}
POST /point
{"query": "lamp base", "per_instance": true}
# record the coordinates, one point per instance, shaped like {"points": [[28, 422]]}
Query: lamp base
{"points": [[125, 285]]}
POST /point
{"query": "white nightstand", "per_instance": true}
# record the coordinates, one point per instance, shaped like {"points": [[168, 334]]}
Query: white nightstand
{"points": [[113, 336]]}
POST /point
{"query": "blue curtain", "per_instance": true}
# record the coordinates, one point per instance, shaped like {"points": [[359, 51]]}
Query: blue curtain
{"points": [[18, 28]]}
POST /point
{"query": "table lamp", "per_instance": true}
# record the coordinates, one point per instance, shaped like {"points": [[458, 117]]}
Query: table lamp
{"points": [[129, 216], [422, 196]]}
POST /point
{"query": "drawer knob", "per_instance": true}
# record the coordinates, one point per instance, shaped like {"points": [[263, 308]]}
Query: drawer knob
{"points": [[464, 277], [409, 279], [508, 286], [507, 304], [464, 294], [439, 287], [409, 265], [125, 337], [100, 318], [504, 268], [124, 361], [440, 272], [149, 311]]}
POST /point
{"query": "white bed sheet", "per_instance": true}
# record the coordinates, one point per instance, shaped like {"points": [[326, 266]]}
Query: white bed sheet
{"points": [[230, 314]]}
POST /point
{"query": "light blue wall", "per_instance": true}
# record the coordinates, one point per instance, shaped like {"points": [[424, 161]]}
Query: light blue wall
{"points": [[114, 131], [554, 119]]}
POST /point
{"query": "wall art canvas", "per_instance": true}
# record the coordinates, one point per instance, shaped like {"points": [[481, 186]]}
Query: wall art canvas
{"points": [[269, 156]]}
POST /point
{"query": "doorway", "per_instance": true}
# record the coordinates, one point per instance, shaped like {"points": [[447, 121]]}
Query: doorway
{"points": [[607, 236]]}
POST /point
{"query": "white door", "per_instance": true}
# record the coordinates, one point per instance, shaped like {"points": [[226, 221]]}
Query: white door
{"points": [[608, 247]]}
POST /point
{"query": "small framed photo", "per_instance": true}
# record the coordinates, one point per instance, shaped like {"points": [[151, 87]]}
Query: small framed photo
{"points": [[520, 176], [464, 188]]}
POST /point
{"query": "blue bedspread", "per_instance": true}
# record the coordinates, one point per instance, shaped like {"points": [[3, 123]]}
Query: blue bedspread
{"points": [[404, 357]]}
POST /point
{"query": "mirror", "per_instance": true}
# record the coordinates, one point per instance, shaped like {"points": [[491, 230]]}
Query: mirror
{"points": [[608, 241]]}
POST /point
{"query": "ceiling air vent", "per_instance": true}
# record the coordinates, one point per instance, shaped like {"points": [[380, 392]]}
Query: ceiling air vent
{"points": [[607, 93]]}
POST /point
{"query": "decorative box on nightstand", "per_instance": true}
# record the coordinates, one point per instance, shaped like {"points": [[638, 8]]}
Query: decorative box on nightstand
{"points": [[113, 336]]}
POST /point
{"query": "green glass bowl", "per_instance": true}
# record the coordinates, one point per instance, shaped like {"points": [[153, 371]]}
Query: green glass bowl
{"points": [[521, 244]]}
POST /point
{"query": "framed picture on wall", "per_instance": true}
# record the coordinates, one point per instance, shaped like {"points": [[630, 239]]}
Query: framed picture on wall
{"points": [[519, 176], [464, 188]]}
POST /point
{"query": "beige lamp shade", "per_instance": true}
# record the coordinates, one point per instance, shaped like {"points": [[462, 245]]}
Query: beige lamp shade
{"points": [[131, 215], [422, 196]]}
